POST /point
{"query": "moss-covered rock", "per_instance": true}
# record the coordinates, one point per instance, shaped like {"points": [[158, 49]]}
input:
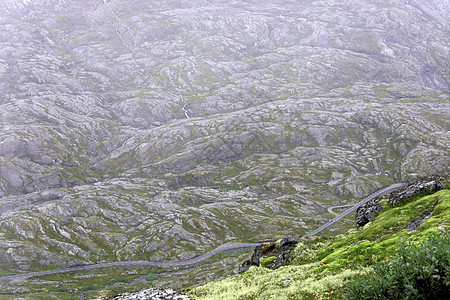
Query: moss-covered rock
{"points": [[265, 262]]}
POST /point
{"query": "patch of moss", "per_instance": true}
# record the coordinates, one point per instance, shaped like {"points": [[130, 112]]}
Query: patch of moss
{"points": [[265, 262]]}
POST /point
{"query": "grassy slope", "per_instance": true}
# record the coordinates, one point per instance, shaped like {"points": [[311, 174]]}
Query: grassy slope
{"points": [[320, 268]]}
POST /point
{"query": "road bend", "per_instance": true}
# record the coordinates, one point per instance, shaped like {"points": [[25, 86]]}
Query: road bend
{"points": [[181, 263], [195, 260], [356, 206], [330, 209]]}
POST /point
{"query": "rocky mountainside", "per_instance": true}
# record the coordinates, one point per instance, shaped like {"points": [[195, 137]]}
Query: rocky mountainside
{"points": [[158, 130]]}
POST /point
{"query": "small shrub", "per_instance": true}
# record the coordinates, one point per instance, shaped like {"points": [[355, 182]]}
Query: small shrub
{"points": [[418, 271]]}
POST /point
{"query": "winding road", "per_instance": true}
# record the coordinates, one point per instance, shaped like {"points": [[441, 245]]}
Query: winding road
{"points": [[330, 209], [226, 247], [180, 263], [356, 206]]}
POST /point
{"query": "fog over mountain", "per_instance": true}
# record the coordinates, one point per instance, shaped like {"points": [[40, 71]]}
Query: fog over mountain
{"points": [[159, 130]]}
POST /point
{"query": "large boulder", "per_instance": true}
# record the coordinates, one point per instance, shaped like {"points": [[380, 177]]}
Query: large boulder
{"points": [[279, 248]]}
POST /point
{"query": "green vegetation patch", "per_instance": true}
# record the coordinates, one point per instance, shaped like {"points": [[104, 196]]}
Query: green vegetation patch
{"points": [[379, 238], [418, 271], [265, 262]]}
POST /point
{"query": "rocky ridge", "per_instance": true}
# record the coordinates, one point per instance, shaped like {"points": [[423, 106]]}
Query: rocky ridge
{"points": [[422, 186]]}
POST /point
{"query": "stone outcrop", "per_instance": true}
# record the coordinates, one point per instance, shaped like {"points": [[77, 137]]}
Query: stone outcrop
{"points": [[279, 248], [420, 186], [426, 215], [151, 294]]}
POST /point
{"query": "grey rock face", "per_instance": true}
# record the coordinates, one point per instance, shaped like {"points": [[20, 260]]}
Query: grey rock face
{"points": [[157, 130], [428, 185], [413, 226], [151, 294], [280, 249]]}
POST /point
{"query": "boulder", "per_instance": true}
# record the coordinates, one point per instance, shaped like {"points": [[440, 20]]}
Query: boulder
{"points": [[279, 248]]}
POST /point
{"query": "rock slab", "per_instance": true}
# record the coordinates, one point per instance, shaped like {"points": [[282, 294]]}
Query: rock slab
{"points": [[151, 294]]}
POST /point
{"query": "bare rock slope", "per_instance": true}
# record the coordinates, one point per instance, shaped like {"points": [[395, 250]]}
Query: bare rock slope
{"points": [[161, 129]]}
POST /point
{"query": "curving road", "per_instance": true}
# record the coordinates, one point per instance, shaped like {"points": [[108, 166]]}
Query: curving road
{"points": [[203, 256], [139, 263], [355, 207], [330, 209]]}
